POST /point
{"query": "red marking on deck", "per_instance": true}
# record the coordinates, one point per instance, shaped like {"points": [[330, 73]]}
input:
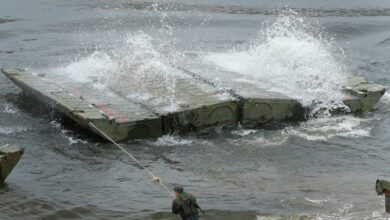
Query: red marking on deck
{"points": [[74, 92], [104, 107], [348, 98], [110, 112]]}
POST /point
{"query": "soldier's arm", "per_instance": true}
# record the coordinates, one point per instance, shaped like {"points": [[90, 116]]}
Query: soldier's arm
{"points": [[192, 198], [195, 203], [175, 207]]}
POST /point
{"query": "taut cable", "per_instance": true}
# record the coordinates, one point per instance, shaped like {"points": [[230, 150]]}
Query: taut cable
{"points": [[155, 179]]}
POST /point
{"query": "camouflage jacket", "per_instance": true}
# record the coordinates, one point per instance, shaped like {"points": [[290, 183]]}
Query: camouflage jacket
{"points": [[185, 205]]}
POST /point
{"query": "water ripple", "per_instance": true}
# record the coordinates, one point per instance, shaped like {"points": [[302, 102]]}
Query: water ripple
{"points": [[235, 9]]}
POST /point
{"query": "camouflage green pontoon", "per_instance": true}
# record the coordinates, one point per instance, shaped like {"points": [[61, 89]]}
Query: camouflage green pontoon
{"points": [[201, 104], [9, 157], [362, 94]]}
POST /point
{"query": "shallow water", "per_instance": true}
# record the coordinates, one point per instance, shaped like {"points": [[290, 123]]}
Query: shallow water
{"points": [[324, 167]]}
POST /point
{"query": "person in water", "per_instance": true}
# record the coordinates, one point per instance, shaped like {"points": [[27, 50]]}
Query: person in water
{"points": [[185, 204]]}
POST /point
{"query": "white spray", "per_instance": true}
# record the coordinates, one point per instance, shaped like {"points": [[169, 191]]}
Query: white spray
{"points": [[136, 64], [292, 58]]}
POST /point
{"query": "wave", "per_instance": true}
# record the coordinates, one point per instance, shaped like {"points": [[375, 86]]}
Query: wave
{"points": [[236, 9]]}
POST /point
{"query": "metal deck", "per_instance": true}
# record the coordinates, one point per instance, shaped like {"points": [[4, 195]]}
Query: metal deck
{"points": [[183, 102], [119, 118], [123, 116]]}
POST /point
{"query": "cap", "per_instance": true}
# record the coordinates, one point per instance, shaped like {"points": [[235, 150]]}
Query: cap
{"points": [[178, 188]]}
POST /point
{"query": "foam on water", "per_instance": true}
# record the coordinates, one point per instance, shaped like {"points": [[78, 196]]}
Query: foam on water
{"points": [[244, 132], [67, 134], [172, 140], [10, 110], [316, 201], [315, 129], [250, 137], [290, 57], [12, 129], [324, 129]]}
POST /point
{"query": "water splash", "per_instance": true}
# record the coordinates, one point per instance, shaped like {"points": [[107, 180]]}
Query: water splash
{"points": [[290, 56], [293, 58], [136, 65], [94, 68], [141, 63]]}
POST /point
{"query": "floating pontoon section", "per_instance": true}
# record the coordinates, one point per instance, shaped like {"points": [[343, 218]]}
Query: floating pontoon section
{"points": [[128, 117], [363, 95], [191, 100], [116, 116], [9, 157]]}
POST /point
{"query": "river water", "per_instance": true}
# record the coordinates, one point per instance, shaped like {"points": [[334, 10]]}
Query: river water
{"points": [[325, 167]]}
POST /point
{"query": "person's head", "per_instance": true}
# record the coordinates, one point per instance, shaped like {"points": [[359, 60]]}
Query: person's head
{"points": [[178, 189]]}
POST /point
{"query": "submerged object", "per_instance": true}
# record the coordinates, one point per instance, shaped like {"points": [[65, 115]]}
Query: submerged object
{"points": [[198, 103], [9, 157], [5, 20], [383, 187]]}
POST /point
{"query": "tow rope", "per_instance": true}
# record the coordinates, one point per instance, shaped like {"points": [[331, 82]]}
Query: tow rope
{"points": [[155, 179]]}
